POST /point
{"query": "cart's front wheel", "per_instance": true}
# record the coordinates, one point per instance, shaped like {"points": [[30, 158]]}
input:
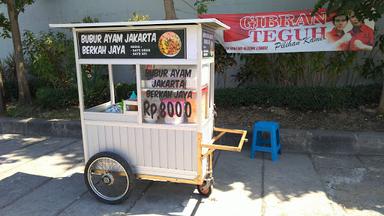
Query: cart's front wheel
{"points": [[109, 177], [205, 189]]}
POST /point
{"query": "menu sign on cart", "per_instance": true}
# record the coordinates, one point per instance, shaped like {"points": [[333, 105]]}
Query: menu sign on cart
{"points": [[169, 43], [208, 45], [168, 94]]}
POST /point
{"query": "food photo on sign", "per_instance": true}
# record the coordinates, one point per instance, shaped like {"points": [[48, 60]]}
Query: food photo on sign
{"points": [[169, 44], [294, 31]]}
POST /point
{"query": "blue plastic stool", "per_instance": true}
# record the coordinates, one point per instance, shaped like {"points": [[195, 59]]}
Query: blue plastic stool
{"points": [[259, 143]]}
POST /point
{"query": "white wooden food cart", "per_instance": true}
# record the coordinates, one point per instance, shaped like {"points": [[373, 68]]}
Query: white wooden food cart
{"points": [[167, 133]]}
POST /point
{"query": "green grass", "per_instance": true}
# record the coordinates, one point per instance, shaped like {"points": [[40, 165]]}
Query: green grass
{"points": [[23, 111]]}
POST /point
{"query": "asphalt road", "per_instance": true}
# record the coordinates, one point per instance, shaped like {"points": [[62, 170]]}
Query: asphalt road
{"points": [[43, 176]]}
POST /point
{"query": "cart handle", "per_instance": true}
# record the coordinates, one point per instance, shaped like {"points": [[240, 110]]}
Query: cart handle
{"points": [[212, 145]]}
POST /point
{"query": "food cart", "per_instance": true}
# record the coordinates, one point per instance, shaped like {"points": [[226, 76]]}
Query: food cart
{"points": [[165, 130]]}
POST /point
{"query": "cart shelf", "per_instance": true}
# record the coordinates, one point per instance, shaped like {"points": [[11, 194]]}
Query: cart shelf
{"points": [[212, 146]]}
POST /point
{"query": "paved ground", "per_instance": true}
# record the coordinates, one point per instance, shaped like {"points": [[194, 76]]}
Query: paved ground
{"points": [[43, 176]]}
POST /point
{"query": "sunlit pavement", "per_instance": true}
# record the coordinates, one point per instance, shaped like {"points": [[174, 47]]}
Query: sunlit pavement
{"points": [[43, 176]]}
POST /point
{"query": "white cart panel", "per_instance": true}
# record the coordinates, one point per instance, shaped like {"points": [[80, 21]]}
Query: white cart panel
{"points": [[207, 130], [150, 151]]}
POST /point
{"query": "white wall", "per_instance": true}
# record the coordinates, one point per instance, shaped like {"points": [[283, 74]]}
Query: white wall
{"points": [[43, 12]]}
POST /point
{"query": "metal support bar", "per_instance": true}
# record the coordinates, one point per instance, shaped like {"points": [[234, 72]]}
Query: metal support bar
{"points": [[210, 151], [210, 164], [102, 172], [195, 181], [81, 95], [199, 156], [111, 84], [235, 131], [216, 137]]}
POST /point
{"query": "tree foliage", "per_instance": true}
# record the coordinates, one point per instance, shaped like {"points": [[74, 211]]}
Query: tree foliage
{"points": [[20, 4], [51, 58], [138, 17], [5, 25], [296, 69], [364, 9], [202, 6], [89, 19]]}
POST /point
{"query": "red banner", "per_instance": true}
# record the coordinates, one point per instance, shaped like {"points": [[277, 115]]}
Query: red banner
{"points": [[294, 31]]}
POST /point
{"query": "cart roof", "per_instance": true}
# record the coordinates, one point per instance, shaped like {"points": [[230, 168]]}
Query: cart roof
{"points": [[210, 22]]}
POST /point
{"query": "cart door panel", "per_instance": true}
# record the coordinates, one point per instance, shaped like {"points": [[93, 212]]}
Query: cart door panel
{"points": [[93, 139], [150, 151], [171, 149]]}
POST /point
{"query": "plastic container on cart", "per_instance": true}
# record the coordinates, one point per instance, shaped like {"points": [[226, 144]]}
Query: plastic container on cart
{"points": [[113, 109], [131, 103], [151, 119], [204, 104], [174, 111], [155, 117]]}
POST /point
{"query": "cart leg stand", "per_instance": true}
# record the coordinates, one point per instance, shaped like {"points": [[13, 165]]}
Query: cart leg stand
{"points": [[205, 189]]}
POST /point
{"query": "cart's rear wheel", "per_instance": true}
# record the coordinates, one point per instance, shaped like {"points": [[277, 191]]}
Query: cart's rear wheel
{"points": [[205, 189], [109, 177]]}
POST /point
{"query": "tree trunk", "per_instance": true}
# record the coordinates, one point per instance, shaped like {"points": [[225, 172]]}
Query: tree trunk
{"points": [[380, 109], [2, 94], [169, 8], [24, 93]]}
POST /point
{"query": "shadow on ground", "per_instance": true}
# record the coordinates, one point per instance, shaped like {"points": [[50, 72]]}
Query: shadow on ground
{"points": [[39, 179], [298, 184], [39, 155], [26, 194]]}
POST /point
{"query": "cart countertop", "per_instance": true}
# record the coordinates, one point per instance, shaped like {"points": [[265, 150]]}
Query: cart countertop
{"points": [[211, 22]]}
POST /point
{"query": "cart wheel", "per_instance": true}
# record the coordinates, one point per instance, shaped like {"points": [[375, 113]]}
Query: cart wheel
{"points": [[109, 177], [205, 189]]}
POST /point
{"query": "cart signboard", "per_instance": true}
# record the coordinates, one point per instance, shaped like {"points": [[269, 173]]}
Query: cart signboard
{"points": [[157, 44]]}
